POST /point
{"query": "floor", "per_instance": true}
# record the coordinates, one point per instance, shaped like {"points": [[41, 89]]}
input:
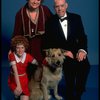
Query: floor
{"points": [[90, 94]]}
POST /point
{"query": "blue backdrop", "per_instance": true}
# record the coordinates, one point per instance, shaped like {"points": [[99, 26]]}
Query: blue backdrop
{"points": [[88, 9]]}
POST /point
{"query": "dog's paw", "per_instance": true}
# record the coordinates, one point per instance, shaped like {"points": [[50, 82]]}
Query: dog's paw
{"points": [[49, 97], [58, 97]]}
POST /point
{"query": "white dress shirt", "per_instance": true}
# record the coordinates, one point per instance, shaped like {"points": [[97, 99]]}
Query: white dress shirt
{"points": [[64, 26]]}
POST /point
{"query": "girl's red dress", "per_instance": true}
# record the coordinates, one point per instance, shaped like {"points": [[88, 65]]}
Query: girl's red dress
{"points": [[21, 68]]}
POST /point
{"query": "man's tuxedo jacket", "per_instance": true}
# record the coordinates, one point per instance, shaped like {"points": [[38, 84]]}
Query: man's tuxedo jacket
{"points": [[55, 38]]}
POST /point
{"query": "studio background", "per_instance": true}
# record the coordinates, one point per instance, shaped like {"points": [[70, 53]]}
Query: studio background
{"points": [[88, 9]]}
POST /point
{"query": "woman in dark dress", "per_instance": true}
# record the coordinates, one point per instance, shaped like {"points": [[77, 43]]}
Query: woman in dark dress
{"points": [[30, 22]]}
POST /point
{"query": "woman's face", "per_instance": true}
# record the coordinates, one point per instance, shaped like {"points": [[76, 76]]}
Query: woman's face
{"points": [[20, 49], [34, 3]]}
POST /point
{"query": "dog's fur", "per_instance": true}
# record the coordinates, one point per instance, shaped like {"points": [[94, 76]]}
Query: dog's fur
{"points": [[33, 72], [52, 72], [35, 90]]}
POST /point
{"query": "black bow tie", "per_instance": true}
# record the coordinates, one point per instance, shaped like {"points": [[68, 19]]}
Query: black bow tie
{"points": [[65, 18]]}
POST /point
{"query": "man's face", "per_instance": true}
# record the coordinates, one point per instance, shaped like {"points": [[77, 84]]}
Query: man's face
{"points": [[60, 7]]}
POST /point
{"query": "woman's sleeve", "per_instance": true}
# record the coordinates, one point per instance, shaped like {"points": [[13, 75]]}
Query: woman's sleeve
{"points": [[18, 26]]}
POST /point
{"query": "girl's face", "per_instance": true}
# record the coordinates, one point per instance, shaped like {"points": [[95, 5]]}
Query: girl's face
{"points": [[20, 49], [34, 3]]}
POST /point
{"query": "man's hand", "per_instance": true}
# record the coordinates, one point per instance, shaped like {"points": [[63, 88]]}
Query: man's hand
{"points": [[69, 54], [81, 55]]}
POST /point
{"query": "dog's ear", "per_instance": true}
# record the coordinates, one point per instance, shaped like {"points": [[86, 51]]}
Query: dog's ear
{"points": [[47, 51], [48, 59], [62, 50]]}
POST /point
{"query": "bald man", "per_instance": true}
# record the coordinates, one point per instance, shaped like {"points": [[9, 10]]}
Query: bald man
{"points": [[65, 30]]}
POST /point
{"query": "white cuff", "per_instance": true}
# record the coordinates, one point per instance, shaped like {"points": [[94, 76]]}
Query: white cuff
{"points": [[12, 63], [35, 62], [82, 50]]}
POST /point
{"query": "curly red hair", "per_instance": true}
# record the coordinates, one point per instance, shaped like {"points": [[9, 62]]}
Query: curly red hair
{"points": [[19, 39]]}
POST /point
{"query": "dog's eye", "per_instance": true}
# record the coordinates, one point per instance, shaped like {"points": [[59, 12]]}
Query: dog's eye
{"points": [[59, 54]]}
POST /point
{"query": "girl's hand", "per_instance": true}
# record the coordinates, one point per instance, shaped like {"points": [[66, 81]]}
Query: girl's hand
{"points": [[18, 91]]}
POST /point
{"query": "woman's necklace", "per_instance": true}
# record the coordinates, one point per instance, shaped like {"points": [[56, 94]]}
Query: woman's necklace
{"points": [[33, 15], [34, 20]]}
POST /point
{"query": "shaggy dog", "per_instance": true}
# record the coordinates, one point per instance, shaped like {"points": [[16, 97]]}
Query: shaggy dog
{"points": [[34, 85], [52, 72]]}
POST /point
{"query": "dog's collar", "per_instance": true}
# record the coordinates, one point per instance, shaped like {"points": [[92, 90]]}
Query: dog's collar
{"points": [[45, 62]]}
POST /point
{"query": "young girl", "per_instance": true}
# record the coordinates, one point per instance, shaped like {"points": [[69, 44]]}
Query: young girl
{"points": [[19, 59]]}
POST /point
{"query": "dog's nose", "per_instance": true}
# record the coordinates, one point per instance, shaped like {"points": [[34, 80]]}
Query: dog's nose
{"points": [[58, 62]]}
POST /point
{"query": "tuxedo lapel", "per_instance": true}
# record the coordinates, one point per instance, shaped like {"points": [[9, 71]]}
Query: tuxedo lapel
{"points": [[68, 29], [61, 31], [69, 25], [58, 28]]}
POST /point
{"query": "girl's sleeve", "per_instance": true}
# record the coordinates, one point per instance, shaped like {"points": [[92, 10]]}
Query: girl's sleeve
{"points": [[12, 59], [32, 59]]}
